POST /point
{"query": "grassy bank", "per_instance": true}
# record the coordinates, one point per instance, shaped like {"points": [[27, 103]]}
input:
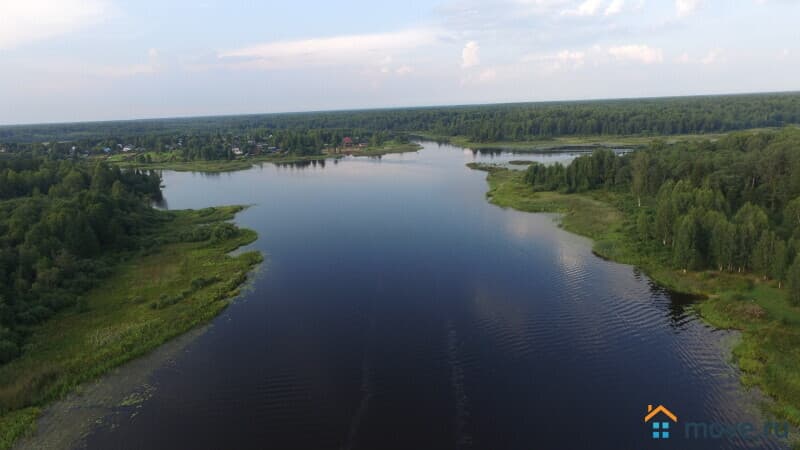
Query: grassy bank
{"points": [[391, 147], [768, 352], [150, 297], [223, 165]]}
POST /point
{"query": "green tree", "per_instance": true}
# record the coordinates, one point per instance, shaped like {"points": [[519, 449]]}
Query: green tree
{"points": [[640, 168], [666, 214], [777, 268], [791, 214], [764, 253], [751, 221], [644, 226], [722, 243], [684, 251], [793, 282]]}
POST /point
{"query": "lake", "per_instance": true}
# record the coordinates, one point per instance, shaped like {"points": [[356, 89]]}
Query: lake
{"points": [[398, 309]]}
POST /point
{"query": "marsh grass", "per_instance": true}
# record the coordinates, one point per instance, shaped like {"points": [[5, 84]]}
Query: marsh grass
{"points": [[768, 352], [117, 321], [576, 143]]}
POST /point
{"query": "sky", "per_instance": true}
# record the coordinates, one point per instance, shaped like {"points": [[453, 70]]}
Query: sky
{"points": [[78, 60]]}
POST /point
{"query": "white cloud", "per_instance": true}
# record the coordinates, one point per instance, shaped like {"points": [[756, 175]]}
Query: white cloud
{"points": [[587, 8], [540, 7], [33, 20], [565, 59], [470, 55], [637, 53], [365, 49], [712, 57], [686, 7], [615, 7], [487, 75]]}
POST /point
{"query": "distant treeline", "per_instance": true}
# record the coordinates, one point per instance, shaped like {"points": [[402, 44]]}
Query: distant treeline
{"points": [[729, 205], [209, 146], [61, 225], [503, 122]]}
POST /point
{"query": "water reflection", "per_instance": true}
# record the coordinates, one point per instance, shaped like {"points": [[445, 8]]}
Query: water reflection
{"points": [[302, 164]]}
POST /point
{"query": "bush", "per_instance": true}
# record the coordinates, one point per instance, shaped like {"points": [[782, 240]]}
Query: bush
{"points": [[165, 301], [197, 234], [200, 283], [224, 231]]}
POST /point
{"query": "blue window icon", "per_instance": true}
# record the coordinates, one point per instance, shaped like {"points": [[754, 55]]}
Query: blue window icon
{"points": [[660, 430]]}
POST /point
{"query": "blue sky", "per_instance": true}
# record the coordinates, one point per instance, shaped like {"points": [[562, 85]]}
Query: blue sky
{"points": [[74, 60]]}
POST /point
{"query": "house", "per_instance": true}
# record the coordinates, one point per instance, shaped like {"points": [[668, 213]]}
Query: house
{"points": [[127, 148], [2, 150], [347, 141], [660, 428], [237, 151], [107, 150]]}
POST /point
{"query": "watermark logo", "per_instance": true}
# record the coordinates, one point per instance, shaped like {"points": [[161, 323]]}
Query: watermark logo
{"points": [[663, 424], [661, 420]]}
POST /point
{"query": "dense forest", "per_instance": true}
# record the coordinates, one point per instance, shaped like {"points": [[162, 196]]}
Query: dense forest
{"points": [[62, 224], [727, 205], [308, 133]]}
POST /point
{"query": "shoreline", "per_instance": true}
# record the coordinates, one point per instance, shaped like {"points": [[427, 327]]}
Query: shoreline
{"points": [[723, 304], [144, 308], [233, 165], [570, 143]]}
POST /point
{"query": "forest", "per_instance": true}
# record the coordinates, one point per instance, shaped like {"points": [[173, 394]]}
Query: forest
{"points": [[728, 205], [309, 133], [62, 225]]}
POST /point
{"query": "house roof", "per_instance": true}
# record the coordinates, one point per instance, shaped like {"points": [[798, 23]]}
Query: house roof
{"points": [[660, 409], [347, 140]]}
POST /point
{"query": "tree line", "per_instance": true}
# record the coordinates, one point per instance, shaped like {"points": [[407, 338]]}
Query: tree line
{"points": [[62, 224], [480, 123], [728, 205]]}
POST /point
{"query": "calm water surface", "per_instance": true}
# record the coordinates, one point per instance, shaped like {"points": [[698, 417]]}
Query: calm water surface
{"points": [[397, 309]]}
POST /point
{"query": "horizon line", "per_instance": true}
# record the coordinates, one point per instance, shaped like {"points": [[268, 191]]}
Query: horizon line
{"points": [[390, 108]]}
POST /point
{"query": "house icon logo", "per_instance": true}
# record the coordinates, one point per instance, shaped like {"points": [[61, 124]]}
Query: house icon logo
{"points": [[657, 417]]}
